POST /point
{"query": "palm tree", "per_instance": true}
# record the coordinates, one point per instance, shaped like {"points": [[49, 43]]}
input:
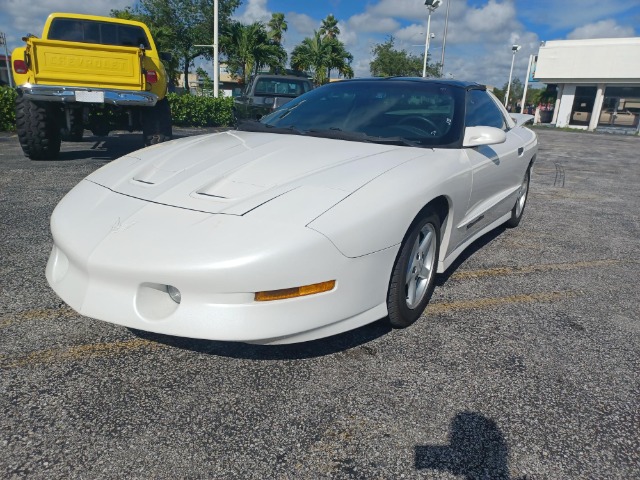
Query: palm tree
{"points": [[329, 27], [277, 26], [248, 49], [319, 56], [339, 58]]}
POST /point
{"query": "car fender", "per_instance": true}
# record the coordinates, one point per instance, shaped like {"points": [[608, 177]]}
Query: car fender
{"points": [[381, 211]]}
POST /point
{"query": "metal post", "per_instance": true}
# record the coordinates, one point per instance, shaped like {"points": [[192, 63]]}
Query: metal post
{"points": [[526, 84], [3, 39], [216, 60], [426, 44], [506, 97], [444, 38]]}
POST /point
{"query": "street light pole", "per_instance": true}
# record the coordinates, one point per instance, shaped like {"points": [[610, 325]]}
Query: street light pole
{"points": [[216, 60], [444, 37], [514, 49], [431, 6]]}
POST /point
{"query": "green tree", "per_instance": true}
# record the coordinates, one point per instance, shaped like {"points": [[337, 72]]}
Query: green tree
{"points": [[249, 49], [186, 23], [162, 36], [329, 27], [319, 55], [389, 62], [515, 93], [277, 26]]}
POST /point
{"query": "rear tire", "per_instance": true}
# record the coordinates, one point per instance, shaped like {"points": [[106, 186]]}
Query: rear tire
{"points": [[38, 130], [156, 123], [521, 201], [413, 276]]}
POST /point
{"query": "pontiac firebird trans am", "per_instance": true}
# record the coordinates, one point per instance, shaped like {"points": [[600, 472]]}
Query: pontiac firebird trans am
{"points": [[336, 210]]}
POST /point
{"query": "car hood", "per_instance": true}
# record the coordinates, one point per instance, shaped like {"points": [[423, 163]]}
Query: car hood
{"points": [[235, 172]]}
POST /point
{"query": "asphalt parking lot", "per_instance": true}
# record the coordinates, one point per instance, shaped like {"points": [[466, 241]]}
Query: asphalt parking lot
{"points": [[526, 364]]}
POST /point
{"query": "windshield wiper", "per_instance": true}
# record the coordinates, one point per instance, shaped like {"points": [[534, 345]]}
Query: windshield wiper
{"points": [[338, 134], [255, 126]]}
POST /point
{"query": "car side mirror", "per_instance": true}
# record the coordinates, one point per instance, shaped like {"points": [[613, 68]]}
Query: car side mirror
{"points": [[165, 56], [476, 136]]}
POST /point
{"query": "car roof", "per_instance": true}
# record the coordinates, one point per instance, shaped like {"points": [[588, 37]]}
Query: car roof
{"points": [[439, 81]]}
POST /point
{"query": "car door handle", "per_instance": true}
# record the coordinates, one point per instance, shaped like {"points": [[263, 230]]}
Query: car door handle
{"points": [[520, 151]]}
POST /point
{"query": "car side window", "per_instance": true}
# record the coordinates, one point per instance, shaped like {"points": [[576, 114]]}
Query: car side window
{"points": [[481, 110]]}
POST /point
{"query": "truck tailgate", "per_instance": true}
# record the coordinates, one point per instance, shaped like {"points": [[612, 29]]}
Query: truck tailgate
{"points": [[85, 65]]}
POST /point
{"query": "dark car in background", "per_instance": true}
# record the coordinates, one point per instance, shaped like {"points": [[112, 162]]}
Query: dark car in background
{"points": [[265, 93]]}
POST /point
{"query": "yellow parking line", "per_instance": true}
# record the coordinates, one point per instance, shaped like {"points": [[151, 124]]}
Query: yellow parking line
{"points": [[435, 308], [494, 272], [37, 314], [94, 350], [79, 352]]}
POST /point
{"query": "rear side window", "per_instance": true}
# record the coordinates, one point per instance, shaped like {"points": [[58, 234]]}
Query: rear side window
{"points": [[281, 87], [103, 33], [483, 111]]}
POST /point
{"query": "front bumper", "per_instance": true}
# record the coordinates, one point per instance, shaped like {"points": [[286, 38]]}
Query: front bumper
{"points": [[114, 255], [56, 93]]}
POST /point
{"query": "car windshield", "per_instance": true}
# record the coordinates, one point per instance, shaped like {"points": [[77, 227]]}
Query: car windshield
{"points": [[403, 112]]}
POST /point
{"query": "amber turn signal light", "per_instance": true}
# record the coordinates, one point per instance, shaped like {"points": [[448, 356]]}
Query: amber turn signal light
{"points": [[295, 291]]}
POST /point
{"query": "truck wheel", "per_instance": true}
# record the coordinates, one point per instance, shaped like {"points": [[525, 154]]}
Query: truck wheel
{"points": [[156, 123], [38, 131]]}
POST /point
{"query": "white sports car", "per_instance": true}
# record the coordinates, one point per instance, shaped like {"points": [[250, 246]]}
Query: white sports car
{"points": [[336, 210]]}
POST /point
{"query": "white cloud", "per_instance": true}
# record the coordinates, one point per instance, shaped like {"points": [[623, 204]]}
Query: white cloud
{"points": [[255, 11], [602, 29], [368, 22]]}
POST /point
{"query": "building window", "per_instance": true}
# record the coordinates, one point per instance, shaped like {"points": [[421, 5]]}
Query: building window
{"points": [[620, 107], [583, 105]]}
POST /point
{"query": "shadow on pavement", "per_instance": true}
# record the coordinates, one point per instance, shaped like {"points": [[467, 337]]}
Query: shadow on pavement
{"points": [[315, 348], [477, 450]]}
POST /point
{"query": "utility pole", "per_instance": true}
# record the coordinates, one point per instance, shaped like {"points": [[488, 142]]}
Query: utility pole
{"points": [[216, 59], [444, 38], [216, 55]]}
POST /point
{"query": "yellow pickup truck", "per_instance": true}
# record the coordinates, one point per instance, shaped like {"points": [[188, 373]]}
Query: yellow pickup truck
{"points": [[98, 73]]}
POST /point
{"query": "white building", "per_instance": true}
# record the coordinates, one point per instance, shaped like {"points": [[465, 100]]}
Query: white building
{"points": [[598, 82]]}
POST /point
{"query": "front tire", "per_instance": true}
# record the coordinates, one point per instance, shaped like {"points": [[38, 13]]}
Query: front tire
{"points": [[521, 201], [38, 131], [413, 276]]}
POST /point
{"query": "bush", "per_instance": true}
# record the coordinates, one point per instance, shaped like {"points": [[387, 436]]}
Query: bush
{"points": [[197, 111], [7, 108], [186, 110]]}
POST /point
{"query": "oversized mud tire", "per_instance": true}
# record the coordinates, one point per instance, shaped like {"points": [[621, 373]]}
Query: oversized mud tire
{"points": [[156, 123], [38, 130]]}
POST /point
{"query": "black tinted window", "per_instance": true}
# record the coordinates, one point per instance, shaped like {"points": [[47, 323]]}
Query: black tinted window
{"points": [[426, 113], [281, 87], [104, 33], [483, 111]]}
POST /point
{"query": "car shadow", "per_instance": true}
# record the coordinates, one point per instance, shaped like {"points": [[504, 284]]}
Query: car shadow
{"points": [[296, 351], [479, 244], [477, 450]]}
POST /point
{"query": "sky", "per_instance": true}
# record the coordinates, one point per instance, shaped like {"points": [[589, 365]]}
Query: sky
{"points": [[479, 37]]}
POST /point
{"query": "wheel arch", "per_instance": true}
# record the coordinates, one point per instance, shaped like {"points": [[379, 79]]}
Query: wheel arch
{"points": [[442, 207]]}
